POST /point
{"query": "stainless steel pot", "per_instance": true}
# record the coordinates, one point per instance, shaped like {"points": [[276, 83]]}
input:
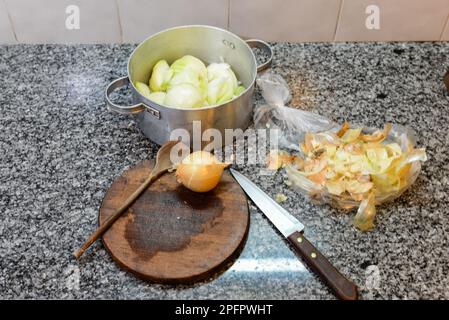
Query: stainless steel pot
{"points": [[210, 44]]}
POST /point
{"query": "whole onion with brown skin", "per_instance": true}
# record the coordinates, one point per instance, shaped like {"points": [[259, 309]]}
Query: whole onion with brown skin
{"points": [[200, 171]]}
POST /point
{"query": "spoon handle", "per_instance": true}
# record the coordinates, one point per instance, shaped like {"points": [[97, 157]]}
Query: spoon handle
{"points": [[110, 221]]}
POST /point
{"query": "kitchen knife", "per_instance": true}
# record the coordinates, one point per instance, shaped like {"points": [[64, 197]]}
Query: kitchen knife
{"points": [[292, 229]]}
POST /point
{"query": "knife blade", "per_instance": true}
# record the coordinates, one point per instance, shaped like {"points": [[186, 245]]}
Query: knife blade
{"points": [[292, 230]]}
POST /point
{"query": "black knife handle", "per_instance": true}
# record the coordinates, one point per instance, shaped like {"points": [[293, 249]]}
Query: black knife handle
{"points": [[342, 287]]}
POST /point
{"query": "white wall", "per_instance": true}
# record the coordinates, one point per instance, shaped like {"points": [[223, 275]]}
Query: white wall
{"points": [[124, 21]]}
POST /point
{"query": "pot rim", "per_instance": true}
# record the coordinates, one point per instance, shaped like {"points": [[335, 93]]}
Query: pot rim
{"points": [[151, 103]]}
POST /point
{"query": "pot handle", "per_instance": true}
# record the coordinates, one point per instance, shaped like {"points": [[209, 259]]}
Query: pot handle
{"points": [[255, 43], [118, 83]]}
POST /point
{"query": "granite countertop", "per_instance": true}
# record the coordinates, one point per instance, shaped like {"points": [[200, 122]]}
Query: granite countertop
{"points": [[61, 149]]}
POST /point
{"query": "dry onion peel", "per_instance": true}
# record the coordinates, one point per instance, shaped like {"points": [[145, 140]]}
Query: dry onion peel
{"points": [[350, 168], [364, 219], [343, 129], [278, 159]]}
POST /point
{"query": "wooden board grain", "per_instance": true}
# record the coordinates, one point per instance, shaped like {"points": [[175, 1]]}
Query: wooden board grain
{"points": [[171, 234]]}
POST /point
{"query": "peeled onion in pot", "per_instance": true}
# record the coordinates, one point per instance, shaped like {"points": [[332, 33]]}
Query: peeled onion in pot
{"points": [[200, 171]]}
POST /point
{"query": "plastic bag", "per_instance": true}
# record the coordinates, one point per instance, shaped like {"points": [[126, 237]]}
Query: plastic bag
{"points": [[293, 124]]}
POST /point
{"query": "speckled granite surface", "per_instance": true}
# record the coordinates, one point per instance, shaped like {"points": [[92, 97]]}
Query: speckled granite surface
{"points": [[60, 149]]}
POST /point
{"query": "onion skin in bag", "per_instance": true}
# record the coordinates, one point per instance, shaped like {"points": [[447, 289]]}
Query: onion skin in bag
{"points": [[350, 167]]}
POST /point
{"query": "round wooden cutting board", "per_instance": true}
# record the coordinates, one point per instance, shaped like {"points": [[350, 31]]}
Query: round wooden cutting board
{"points": [[171, 234]]}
